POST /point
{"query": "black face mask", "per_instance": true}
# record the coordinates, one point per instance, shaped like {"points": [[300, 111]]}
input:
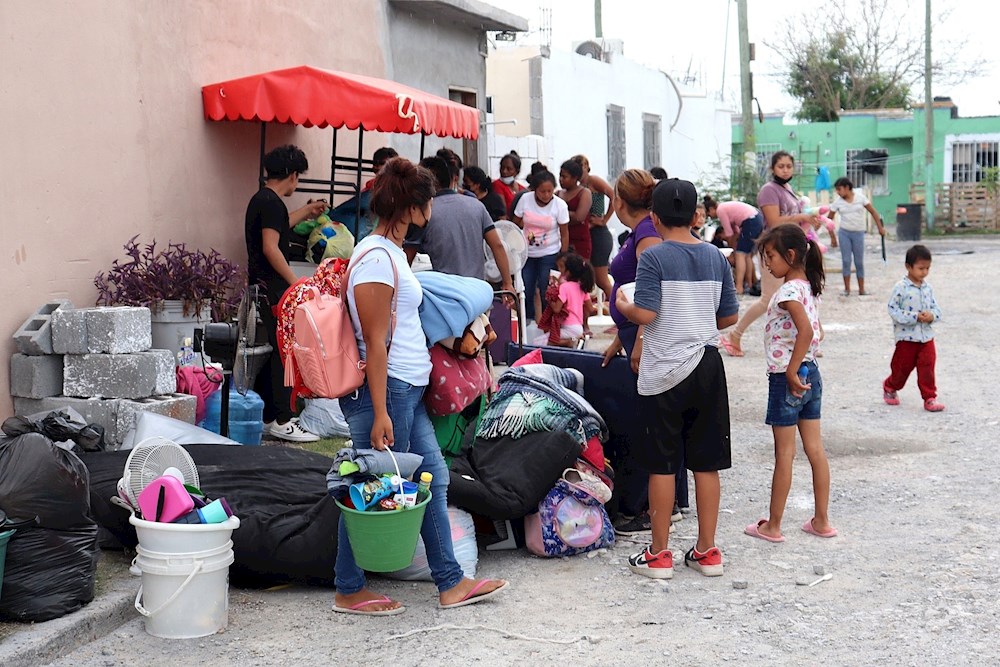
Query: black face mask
{"points": [[413, 232], [779, 180]]}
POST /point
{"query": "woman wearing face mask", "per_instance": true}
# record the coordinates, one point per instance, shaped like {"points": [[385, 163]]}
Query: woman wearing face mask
{"points": [[506, 186], [780, 205], [388, 410], [545, 221]]}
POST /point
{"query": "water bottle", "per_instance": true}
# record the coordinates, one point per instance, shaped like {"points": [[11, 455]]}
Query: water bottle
{"points": [[803, 374], [424, 486]]}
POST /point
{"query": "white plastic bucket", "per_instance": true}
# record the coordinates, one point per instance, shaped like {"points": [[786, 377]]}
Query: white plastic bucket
{"points": [[179, 538], [185, 576], [184, 596]]}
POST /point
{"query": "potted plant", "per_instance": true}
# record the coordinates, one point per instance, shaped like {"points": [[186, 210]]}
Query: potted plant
{"points": [[178, 285]]}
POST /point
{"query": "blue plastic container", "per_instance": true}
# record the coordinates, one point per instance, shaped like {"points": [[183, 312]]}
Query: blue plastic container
{"points": [[246, 416]]}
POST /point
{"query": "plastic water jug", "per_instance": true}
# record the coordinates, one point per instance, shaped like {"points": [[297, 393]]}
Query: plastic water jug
{"points": [[246, 416]]}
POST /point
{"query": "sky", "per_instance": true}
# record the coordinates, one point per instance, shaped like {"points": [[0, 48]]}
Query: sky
{"points": [[690, 41]]}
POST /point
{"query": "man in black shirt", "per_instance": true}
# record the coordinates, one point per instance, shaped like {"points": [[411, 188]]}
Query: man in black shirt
{"points": [[268, 229]]}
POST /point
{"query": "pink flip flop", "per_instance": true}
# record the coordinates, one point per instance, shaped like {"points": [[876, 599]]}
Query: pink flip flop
{"points": [[474, 596], [730, 349], [359, 608], [808, 527], [753, 530]]}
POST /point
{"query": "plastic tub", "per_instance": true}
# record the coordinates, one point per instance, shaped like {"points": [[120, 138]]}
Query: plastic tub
{"points": [[384, 541], [182, 538]]}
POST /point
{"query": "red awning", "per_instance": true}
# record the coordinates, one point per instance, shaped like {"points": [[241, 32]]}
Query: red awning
{"points": [[314, 97]]}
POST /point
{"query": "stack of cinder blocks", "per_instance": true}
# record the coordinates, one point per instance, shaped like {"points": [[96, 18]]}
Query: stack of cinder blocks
{"points": [[98, 362]]}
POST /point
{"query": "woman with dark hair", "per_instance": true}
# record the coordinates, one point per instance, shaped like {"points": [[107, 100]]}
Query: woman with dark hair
{"points": [[741, 225], [601, 242], [388, 410], [578, 202], [544, 219], [780, 205], [507, 186], [477, 182]]}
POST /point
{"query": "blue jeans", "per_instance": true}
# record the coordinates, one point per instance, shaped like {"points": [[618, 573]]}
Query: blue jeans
{"points": [[785, 409], [414, 433], [852, 244], [535, 275]]}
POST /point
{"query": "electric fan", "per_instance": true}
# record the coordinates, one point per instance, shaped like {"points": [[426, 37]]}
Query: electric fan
{"points": [[517, 255], [252, 348], [153, 458], [241, 348]]}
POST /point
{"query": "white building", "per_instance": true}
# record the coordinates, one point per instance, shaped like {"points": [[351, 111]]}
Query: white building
{"points": [[594, 101]]}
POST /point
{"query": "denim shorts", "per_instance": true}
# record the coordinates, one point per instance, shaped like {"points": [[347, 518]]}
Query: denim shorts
{"points": [[784, 409]]}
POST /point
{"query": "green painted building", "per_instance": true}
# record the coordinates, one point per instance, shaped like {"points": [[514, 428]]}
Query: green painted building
{"points": [[881, 151]]}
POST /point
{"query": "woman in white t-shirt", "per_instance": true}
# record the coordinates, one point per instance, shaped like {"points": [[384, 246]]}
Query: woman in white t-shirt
{"points": [[851, 206], [388, 409], [544, 219]]}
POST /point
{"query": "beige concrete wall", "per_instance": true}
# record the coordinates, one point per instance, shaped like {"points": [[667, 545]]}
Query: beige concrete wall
{"points": [[103, 136], [507, 80]]}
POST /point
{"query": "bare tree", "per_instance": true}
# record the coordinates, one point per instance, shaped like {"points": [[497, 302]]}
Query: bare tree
{"points": [[864, 54]]}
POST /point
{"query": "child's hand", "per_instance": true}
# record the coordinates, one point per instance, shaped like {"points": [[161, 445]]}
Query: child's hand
{"points": [[925, 316], [795, 383]]}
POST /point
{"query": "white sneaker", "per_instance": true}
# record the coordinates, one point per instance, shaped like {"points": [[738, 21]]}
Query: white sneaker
{"points": [[292, 432]]}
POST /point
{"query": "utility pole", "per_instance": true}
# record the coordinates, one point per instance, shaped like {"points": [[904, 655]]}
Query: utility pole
{"points": [[928, 122], [598, 27], [746, 88]]}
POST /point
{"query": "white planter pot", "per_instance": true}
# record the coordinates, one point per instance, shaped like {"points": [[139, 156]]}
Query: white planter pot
{"points": [[171, 326]]}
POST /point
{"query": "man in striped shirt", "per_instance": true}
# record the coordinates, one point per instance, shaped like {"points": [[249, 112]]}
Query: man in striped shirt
{"points": [[684, 295]]}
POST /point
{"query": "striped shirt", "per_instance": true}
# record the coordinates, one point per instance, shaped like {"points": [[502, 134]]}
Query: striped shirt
{"points": [[688, 286]]}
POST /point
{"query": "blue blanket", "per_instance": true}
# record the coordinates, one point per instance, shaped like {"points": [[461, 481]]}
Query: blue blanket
{"points": [[450, 303]]}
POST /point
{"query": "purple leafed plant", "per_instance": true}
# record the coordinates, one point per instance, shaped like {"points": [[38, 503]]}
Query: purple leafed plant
{"points": [[149, 277]]}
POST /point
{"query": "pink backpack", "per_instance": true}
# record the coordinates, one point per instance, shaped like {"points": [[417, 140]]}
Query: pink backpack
{"points": [[325, 352]]}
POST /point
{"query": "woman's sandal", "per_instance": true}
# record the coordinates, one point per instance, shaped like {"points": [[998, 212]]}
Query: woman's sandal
{"points": [[730, 349]]}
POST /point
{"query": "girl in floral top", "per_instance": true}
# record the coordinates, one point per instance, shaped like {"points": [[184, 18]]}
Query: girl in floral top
{"points": [[795, 387]]}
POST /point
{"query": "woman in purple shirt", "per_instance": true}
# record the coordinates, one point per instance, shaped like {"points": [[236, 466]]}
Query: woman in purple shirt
{"points": [[632, 202], [780, 205]]}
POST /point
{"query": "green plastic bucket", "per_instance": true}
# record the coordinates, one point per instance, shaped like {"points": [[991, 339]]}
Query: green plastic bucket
{"points": [[384, 541], [4, 539]]}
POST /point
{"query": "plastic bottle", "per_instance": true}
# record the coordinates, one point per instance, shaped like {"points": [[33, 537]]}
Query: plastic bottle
{"points": [[246, 424], [424, 486], [803, 374]]}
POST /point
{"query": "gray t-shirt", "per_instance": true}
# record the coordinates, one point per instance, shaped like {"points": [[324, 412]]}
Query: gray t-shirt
{"points": [[453, 237]]}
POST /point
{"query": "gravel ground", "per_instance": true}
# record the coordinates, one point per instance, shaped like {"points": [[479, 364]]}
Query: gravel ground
{"points": [[913, 579]]}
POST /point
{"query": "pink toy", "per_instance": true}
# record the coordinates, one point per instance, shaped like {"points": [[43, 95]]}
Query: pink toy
{"points": [[165, 499], [820, 213]]}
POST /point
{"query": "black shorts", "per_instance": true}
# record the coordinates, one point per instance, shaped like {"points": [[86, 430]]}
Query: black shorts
{"points": [[601, 244], [692, 418]]}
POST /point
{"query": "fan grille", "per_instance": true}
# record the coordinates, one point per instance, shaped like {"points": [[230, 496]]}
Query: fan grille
{"points": [[149, 459]]}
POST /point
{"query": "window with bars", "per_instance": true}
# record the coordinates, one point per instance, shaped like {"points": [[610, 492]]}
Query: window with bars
{"points": [[868, 168], [616, 140], [651, 132], [764, 153], [970, 160]]}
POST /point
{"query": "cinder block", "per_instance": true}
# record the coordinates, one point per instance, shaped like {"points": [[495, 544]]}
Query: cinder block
{"points": [[118, 329], [69, 331], [178, 406], [109, 375], [34, 337], [166, 371], [93, 410], [36, 376]]}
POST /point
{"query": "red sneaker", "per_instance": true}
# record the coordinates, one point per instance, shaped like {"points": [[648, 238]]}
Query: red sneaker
{"points": [[931, 405], [708, 563], [654, 566]]}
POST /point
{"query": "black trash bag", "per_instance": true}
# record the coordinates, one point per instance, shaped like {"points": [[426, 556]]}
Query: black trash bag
{"points": [[288, 522], [50, 567], [59, 426]]}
